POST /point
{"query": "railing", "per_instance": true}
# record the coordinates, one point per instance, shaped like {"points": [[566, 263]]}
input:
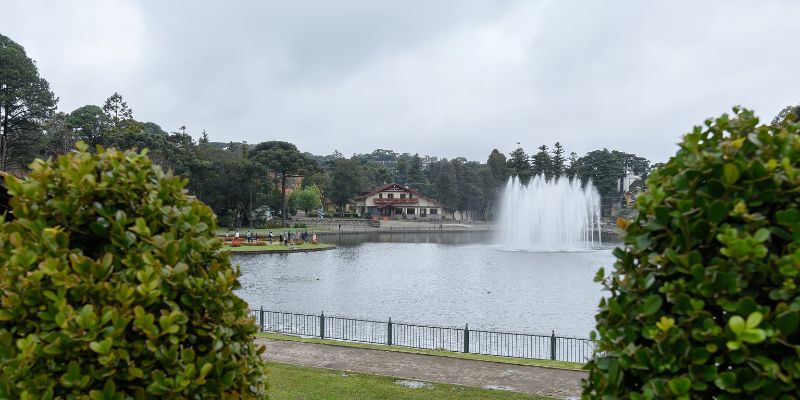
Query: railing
{"points": [[396, 201], [474, 341]]}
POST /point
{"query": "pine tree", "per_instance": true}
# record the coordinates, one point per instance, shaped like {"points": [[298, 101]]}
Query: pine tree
{"points": [[558, 160]]}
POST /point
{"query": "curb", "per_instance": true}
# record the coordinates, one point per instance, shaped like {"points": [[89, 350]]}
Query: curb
{"points": [[280, 251]]}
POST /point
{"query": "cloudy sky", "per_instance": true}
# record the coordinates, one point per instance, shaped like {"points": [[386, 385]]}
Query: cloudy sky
{"points": [[445, 78]]}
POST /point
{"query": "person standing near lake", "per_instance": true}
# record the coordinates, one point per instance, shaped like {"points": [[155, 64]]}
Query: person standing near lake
{"points": [[269, 237], [305, 237], [236, 235]]}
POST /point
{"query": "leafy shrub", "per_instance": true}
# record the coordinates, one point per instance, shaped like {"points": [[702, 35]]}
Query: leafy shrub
{"points": [[703, 299], [114, 286]]}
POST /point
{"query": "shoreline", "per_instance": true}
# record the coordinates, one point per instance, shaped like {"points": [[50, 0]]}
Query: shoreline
{"points": [[279, 249]]}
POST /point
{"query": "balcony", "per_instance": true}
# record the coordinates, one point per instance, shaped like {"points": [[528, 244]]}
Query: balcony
{"points": [[380, 202]]}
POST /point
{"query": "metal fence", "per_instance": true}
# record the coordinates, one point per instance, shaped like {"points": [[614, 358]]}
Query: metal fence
{"points": [[475, 341]]}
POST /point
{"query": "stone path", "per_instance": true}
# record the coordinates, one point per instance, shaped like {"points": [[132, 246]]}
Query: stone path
{"points": [[519, 378]]}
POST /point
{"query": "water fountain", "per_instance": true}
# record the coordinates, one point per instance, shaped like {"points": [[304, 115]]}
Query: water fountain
{"points": [[549, 215]]}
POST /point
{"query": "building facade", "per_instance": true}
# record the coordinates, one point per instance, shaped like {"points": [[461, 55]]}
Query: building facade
{"points": [[397, 201]]}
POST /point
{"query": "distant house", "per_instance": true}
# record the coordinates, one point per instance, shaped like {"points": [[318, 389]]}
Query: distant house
{"points": [[397, 201]]}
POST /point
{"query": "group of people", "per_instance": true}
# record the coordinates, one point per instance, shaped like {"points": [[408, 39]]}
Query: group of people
{"points": [[295, 237], [250, 236]]}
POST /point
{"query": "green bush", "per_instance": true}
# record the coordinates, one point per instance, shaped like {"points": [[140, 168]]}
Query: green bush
{"points": [[703, 298], [114, 286]]}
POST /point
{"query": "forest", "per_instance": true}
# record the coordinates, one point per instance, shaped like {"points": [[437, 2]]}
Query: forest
{"points": [[243, 183]]}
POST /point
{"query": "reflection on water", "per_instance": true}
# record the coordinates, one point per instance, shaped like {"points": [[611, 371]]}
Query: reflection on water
{"points": [[438, 279]]}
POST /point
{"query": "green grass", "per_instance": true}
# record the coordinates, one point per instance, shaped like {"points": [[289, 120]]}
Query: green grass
{"points": [[279, 248], [442, 353], [294, 382]]}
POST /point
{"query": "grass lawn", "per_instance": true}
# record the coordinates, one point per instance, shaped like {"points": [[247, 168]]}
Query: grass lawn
{"points": [[294, 382], [279, 248], [443, 353]]}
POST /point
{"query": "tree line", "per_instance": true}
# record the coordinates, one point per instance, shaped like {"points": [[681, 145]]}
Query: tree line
{"points": [[240, 181]]}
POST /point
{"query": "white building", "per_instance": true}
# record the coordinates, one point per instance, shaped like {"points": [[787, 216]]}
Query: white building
{"points": [[397, 201]]}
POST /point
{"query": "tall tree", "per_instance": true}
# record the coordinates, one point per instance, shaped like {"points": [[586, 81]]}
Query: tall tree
{"points": [[519, 165], [58, 137], [572, 168], [557, 160], [497, 176], [542, 164], [344, 182], [307, 199], [284, 160], [402, 168], [415, 176], [89, 124], [117, 111], [606, 169], [204, 137], [25, 98]]}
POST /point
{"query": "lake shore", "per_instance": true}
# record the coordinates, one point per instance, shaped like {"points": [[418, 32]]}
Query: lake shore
{"points": [[279, 249]]}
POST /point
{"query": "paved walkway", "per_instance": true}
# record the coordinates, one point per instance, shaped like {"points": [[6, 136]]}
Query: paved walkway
{"points": [[519, 378]]}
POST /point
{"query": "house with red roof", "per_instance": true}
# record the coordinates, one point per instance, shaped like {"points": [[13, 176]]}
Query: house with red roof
{"points": [[397, 201]]}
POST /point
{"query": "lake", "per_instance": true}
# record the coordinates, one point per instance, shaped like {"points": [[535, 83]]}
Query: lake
{"points": [[432, 278]]}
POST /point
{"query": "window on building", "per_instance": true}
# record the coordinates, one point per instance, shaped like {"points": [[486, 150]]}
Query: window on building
{"points": [[380, 195], [423, 211], [410, 196], [411, 211], [434, 211], [390, 195], [402, 195]]}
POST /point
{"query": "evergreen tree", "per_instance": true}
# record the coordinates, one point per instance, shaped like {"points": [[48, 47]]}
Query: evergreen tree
{"points": [[542, 164], [89, 124], [415, 176], [284, 160], [58, 138], [118, 112], [498, 168], [557, 160], [344, 182], [25, 99], [519, 165], [572, 168]]}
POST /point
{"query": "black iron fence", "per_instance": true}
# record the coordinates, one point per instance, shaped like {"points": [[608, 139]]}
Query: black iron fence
{"points": [[460, 339]]}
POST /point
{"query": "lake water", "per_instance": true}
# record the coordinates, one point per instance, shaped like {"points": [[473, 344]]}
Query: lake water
{"points": [[435, 279]]}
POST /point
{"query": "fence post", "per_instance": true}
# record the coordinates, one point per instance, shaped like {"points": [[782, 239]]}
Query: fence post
{"points": [[389, 333], [466, 338], [261, 319], [322, 325], [553, 346]]}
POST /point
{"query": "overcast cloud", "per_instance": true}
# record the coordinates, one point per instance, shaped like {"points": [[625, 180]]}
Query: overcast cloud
{"points": [[445, 78]]}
